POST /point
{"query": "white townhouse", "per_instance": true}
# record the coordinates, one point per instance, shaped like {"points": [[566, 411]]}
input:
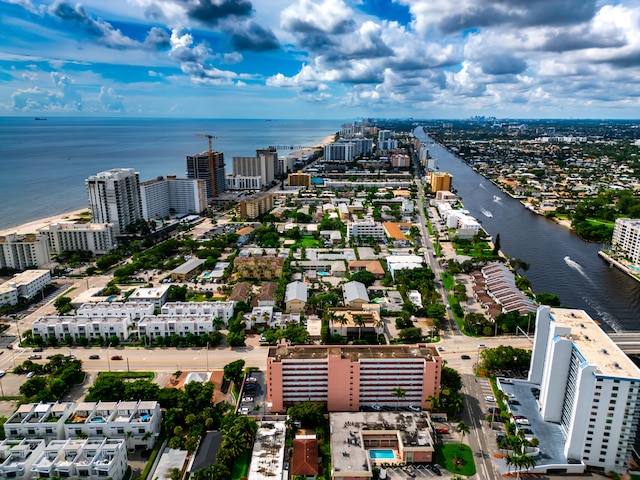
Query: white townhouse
{"points": [[82, 459], [131, 310], [78, 326], [136, 422], [223, 310], [156, 295], [39, 420], [166, 325], [259, 318], [17, 457]]}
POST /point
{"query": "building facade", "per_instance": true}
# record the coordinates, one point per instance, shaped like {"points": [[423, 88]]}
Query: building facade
{"points": [[241, 182], [17, 457], [254, 207], [166, 197], [588, 386], [346, 378], [211, 169], [440, 181], [39, 420], [299, 179], [97, 238], [339, 152], [626, 239], [24, 251], [366, 228], [222, 310], [76, 326], [114, 197]]}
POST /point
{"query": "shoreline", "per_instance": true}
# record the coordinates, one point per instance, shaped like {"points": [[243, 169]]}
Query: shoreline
{"points": [[33, 226]]}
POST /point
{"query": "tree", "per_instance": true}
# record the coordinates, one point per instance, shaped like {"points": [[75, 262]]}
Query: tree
{"points": [[63, 305], [310, 414], [32, 386], [365, 277], [360, 322], [399, 393], [464, 429], [496, 245], [233, 371]]}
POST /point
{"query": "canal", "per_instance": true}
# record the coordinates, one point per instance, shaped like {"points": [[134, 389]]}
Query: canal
{"points": [[561, 262]]}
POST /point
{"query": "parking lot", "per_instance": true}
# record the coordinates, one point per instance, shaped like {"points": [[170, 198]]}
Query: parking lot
{"points": [[254, 395], [419, 471]]}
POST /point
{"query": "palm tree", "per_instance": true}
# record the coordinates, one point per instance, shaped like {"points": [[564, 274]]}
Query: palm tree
{"points": [[456, 403], [399, 393], [359, 321], [509, 461], [218, 323], [434, 402], [464, 429]]}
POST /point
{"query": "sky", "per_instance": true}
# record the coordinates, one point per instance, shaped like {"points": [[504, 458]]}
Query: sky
{"points": [[321, 59]]}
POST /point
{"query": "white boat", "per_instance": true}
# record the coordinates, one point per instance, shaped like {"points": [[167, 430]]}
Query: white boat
{"points": [[487, 213]]}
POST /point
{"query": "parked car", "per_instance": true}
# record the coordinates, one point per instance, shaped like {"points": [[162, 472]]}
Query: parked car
{"points": [[37, 349], [247, 399], [513, 402], [482, 345], [442, 431], [116, 357], [490, 398], [2, 373], [30, 374], [465, 357], [244, 410], [94, 357], [251, 380], [413, 408], [35, 356], [494, 410]]}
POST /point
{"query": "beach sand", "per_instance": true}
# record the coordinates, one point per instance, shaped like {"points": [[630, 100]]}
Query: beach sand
{"points": [[33, 227]]}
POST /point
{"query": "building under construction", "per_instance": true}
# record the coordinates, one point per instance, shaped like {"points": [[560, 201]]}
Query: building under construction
{"points": [[208, 166]]}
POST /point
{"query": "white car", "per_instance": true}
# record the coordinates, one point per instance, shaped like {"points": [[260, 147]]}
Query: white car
{"points": [[247, 399], [522, 421], [413, 408], [490, 398], [244, 410], [30, 374], [2, 373]]}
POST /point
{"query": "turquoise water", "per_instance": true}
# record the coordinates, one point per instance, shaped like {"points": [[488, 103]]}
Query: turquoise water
{"points": [[206, 275], [381, 454]]}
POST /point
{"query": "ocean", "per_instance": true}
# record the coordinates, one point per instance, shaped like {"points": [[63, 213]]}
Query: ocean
{"points": [[43, 163]]}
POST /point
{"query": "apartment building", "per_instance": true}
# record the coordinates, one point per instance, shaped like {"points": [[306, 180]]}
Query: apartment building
{"points": [[626, 239], [243, 182], [97, 238], [131, 310], [254, 207], [366, 228], [168, 325], [170, 196], [80, 326], [39, 420], [346, 378], [299, 179], [210, 168], [264, 165], [588, 386], [223, 310], [90, 459], [24, 251], [155, 295], [8, 294], [295, 297], [339, 152], [137, 423], [17, 457], [30, 282], [440, 181], [114, 197]]}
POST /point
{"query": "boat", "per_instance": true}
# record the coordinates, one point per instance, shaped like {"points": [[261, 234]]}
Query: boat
{"points": [[40, 118], [487, 213], [496, 198]]}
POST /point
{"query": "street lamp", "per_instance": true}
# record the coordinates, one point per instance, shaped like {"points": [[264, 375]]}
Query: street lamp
{"points": [[109, 356], [207, 354]]}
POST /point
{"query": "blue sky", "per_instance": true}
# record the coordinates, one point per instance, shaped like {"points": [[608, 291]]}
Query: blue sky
{"points": [[330, 59]]}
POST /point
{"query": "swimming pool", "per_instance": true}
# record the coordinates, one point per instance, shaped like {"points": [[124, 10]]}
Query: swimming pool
{"points": [[381, 454]]}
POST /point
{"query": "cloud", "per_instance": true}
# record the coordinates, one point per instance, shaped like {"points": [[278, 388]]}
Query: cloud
{"points": [[158, 39], [315, 24], [110, 100], [251, 36], [212, 11], [502, 64], [64, 97]]}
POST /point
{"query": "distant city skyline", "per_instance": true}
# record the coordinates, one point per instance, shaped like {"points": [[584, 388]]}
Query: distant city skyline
{"points": [[325, 59]]}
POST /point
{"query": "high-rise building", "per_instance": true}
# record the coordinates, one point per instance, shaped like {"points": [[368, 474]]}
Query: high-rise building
{"points": [[588, 386], [347, 378], [114, 197], [209, 168], [264, 165], [626, 239], [168, 196], [440, 181], [339, 152]]}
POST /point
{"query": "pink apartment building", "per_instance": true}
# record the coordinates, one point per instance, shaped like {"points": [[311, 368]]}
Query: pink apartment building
{"points": [[347, 378]]}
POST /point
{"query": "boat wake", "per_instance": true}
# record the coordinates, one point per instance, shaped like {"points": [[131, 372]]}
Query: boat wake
{"points": [[497, 199], [576, 266], [482, 186], [606, 317], [487, 213]]}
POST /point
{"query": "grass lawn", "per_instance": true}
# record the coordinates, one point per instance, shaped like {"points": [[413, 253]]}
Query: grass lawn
{"points": [[447, 281], [134, 375], [445, 454], [241, 466], [307, 242], [198, 297]]}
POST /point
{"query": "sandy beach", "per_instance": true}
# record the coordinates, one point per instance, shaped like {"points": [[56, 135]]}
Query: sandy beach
{"points": [[33, 227]]}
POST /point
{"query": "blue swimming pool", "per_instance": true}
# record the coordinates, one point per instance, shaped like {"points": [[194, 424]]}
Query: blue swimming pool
{"points": [[381, 454]]}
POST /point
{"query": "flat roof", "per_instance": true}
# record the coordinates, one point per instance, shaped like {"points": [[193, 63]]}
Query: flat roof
{"points": [[352, 352], [595, 346]]}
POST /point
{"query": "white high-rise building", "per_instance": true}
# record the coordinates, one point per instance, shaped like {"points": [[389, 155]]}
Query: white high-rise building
{"points": [[114, 197], [588, 386], [626, 238], [339, 152], [164, 197]]}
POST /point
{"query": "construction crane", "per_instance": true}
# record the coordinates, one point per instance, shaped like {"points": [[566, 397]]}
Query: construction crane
{"points": [[212, 174]]}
